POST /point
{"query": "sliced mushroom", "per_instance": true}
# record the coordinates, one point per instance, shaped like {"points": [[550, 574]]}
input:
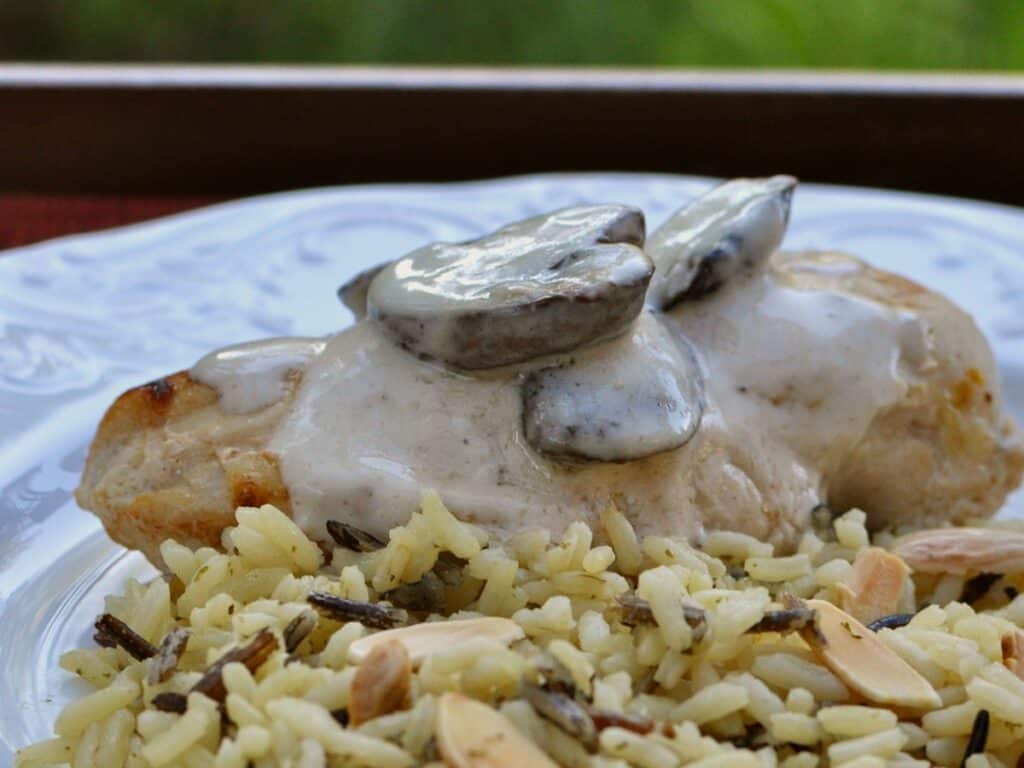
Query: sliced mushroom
{"points": [[731, 229], [353, 293], [638, 396], [537, 287]]}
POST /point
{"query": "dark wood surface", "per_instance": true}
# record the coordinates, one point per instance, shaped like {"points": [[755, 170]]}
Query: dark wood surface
{"points": [[177, 135], [26, 219]]}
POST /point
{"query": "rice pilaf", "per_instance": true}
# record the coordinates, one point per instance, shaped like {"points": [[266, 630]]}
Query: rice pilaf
{"points": [[595, 649]]}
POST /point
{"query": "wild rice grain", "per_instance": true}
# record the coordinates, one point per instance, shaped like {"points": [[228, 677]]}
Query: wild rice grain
{"points": [[168, 701], [298, 629], [371, 615], [605, 718], [979, 736], [788, 620], [976, 588], [350, 537], [564, 712], [607, 649], [894, 621], [111, 631], [253, 654], [166, 660]]}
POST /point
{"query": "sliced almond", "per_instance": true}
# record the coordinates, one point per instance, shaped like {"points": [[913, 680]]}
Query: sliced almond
{"points": [[473, 735], [1013, 652], [865, 664], [381, 683], [875, 585], [959, 551], [422, 640]]}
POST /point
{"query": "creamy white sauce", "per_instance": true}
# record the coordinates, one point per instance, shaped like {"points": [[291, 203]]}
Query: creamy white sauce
{"points": [[804, 370], [795, 368], [372, 425], [253, 375]]}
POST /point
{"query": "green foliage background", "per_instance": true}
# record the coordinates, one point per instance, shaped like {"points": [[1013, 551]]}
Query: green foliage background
{"points": [[875, 34]]}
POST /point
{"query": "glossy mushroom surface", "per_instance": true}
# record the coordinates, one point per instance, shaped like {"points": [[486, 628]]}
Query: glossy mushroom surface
{"points": [[730, 230], [537, 287], [353, 294], [635, 396]]}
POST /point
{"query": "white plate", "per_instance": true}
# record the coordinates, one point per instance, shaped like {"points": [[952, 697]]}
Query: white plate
{"points": [[83, 318]]}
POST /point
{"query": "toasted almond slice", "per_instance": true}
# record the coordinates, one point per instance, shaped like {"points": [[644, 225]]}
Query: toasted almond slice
{"points": [[422, 640], [381, 683], [1013, 652], [865, 664], [473, 735], [874, 588], [960, 551]]}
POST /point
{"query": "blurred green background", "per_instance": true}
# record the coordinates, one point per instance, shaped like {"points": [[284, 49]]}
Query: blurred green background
{"points": [[875, 34]]}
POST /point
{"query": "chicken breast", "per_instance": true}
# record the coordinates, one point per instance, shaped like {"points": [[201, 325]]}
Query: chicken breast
{"points": [[822, 380]]}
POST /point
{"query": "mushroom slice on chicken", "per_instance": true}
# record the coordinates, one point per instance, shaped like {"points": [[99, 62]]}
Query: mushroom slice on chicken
{"points": [[538, 287], [353, 293], [731, 229], [634, 397]]}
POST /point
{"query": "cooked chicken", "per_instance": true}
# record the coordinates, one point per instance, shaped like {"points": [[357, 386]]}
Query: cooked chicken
{"points": [[752, 388]]}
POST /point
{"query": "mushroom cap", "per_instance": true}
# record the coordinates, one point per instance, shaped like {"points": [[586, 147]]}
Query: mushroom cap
{"points": [[540, 286], [729, 230], [353, 293], [636, 396]]}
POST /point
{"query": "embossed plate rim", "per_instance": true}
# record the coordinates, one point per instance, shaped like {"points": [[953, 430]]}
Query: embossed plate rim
{"points": [[91, 291]]}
